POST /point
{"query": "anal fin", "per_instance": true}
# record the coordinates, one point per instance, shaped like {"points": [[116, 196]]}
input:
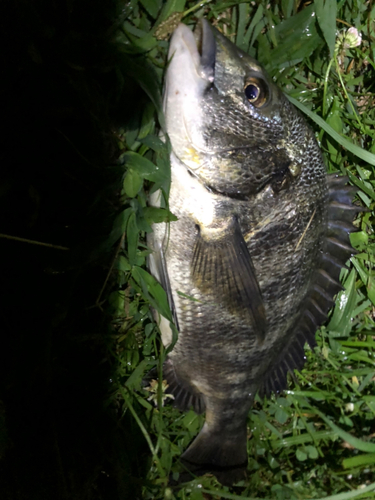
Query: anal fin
{"points": [[185, 395], [222, 267]]}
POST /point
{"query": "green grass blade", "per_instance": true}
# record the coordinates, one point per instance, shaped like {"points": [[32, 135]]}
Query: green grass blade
{"points": [[326, 12], [352, 440], [359, 461]]}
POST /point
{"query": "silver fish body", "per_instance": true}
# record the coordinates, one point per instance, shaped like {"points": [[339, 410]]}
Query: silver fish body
{"points": [[252, 264]]}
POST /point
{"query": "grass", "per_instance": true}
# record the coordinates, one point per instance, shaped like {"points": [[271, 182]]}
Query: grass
{"points": [[85, 79], [316, 440]]}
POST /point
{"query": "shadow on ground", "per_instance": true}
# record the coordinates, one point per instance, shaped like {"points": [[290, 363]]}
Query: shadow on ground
{"points": [[58, 94]]}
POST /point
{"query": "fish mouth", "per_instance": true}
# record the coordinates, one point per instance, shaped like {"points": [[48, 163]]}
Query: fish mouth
{"points": [[200, 44], [206, 47], [190, 73]]}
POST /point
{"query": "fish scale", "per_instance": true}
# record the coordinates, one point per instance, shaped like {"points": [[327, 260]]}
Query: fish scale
{"points": [[261, 236]]}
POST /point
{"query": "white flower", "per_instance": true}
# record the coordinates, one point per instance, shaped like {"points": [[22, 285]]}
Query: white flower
{"points": [[353, 38], [349, 39], [349, 407]]}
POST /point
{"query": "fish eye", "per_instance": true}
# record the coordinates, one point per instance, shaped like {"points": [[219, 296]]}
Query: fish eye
{"points": [[256, 91], [252, 92]]}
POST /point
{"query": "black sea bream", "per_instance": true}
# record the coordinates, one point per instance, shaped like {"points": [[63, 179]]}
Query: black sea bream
{"points": [[251, 267]]}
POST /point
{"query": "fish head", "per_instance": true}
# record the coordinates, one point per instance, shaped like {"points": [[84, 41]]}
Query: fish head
{"points": [[229, 124]]}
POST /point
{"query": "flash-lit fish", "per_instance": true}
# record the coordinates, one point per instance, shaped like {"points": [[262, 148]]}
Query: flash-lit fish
{"points": [[252, 264]]}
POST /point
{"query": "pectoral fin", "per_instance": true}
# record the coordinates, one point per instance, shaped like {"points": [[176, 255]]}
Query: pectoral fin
{"points": [[222, 267]]}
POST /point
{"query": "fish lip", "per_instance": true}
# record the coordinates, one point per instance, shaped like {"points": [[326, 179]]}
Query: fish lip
{"points": [[205, 39], [192, 58], [202, 47]]}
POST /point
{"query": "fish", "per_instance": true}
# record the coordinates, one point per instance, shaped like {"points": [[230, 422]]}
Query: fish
{"points": [[251, 266]]}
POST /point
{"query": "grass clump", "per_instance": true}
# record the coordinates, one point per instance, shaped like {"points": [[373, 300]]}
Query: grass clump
{"points": [[317, 439]]}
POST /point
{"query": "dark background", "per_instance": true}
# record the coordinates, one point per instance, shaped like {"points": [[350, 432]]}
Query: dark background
{"points": [[59, 104]]}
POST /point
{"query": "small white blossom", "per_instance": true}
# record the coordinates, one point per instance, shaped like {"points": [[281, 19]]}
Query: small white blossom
{"points": [[353, 38], [349, 407], [349, 39]]}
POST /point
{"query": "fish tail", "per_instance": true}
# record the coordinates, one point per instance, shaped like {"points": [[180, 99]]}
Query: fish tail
{"points": [[219, 452]]}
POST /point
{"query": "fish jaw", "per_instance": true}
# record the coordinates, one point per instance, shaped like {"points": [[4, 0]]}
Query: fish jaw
{"points": [[188, 76]]}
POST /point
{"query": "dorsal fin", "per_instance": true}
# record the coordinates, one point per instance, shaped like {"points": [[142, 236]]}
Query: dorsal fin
{"points": [[325, 285]]}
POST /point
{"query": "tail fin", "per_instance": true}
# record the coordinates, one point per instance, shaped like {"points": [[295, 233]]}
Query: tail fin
{"points": [[223, 454]]}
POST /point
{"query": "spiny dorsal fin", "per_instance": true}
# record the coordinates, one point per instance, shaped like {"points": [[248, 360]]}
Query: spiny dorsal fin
{"points": [[326, 284], [222, 267]]}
